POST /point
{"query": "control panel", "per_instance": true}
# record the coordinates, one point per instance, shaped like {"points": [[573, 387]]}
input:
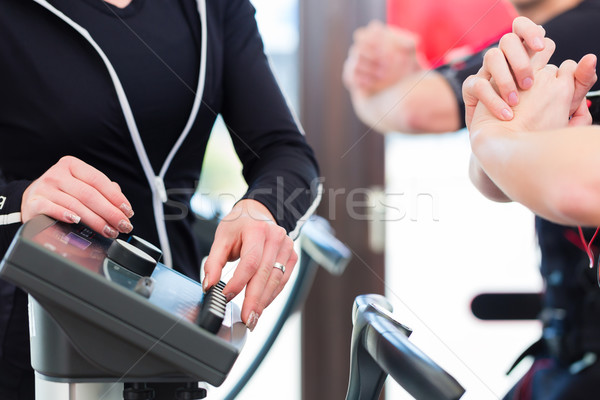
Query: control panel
{"points": [[107, 309]]}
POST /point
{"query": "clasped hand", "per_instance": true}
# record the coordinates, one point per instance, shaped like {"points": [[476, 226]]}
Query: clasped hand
{"points": [[379, 57], [517, 84]]}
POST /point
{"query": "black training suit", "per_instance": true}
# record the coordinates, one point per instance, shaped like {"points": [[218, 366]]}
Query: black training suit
{"points": [[59, 95]]}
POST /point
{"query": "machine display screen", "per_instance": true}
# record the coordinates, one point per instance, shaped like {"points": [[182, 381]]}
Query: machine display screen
{"points": [[171, 291], [76, 243]]}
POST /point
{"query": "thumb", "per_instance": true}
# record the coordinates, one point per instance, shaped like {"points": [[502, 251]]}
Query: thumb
{"points": [[582, 116], [585, 77]]}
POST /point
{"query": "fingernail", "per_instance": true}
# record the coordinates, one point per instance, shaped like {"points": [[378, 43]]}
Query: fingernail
{"points": [[513, 99], [538, 44], [74, 218], [125, 226], [229, 297], [507, 114], [252, 320], [527, 83], [205, 283], [110, 232], [126, 210]]}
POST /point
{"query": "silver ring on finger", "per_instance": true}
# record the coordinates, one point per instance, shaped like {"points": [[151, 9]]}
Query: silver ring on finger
{"points": [[280, 267]]}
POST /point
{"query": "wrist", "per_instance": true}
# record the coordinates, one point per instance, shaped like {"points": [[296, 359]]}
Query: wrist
{"points": [[492, 145], [254, 209], [484, 130]]}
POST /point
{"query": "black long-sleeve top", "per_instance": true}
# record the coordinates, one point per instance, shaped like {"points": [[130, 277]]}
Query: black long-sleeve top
{"points": [[57, 98]]}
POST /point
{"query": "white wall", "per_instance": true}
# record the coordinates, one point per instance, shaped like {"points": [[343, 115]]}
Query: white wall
{"points": [[450, 245]]}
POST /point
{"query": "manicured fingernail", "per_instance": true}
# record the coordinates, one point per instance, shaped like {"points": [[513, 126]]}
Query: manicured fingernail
{"points": [[538, 44], [527, 83], [74, 218], [513, 99], [507, 114], [229, 297], [110, 232], [125, 226], [252, 320], [126, 210], [205, 283]]}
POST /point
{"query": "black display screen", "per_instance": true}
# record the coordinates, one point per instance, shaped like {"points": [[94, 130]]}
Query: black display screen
{"points": [[172, 291]]}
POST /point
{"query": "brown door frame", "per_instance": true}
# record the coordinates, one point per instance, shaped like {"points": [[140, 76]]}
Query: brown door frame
{"points": [[351, 160]]}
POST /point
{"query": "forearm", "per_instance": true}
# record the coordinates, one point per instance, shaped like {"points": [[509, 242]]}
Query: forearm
{"points": [[483, 183], [279, 166], [553, 173], [420, 103]]}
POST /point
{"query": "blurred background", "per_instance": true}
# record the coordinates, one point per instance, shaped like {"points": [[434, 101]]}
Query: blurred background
{"points": [[418, 231]]}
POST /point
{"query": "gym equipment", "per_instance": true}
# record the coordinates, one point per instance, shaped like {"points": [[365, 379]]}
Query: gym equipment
{"points": [[380, 347], [106, 311]]}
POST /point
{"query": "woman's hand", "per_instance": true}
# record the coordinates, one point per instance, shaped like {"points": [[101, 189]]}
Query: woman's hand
{"points": [[72, 191], [249, 233]]}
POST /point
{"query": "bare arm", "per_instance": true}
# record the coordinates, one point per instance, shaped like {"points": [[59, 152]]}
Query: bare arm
{"points": [[484, 184], [554, 173], [422, 102], [498, 166], [546, 157]]}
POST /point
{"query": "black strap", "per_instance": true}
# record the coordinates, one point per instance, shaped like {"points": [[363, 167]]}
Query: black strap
{"points": [[536, 349]]}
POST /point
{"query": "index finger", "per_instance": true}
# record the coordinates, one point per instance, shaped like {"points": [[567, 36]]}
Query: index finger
{"points": [[530, 32], [476, 88], [218, 256], [96, 179], [541, 58]]}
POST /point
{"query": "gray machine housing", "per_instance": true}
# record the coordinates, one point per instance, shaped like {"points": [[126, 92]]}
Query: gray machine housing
{"points": [[87, 327]]}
